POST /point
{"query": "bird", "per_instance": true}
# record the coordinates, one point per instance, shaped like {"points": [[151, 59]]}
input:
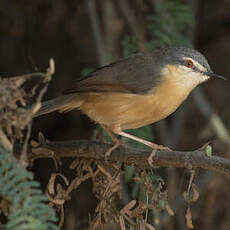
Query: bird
{"points": [[135, 91]]}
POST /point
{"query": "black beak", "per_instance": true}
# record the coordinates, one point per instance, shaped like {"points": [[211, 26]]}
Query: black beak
{"points": [[210, 74]]}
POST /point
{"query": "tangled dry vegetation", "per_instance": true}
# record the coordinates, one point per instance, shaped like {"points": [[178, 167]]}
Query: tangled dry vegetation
{"points": [[17, 94]]}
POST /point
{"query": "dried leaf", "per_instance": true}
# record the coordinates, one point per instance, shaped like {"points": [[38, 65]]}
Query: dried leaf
{"points": [[149, 226], [56, 201], [192, 195], [128, 207], [188, 217], [51, 183], [74, 164], [122, 223], [169, 209], [186, 196], [34, 143], [195, 195], [105, 172], [41, 138], [62, 217], [36, 108], [51, 68]]}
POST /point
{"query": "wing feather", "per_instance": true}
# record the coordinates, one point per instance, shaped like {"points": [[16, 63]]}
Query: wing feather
{"points": [[135, 74]]}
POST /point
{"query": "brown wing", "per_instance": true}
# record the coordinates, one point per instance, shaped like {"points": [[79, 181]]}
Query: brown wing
{"points": [[135, 74]]}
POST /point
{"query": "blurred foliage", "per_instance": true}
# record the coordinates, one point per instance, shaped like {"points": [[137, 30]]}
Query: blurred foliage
{"points": [[170, 24], [145, 132], [129, 45], [28, 210], [85, 72]]}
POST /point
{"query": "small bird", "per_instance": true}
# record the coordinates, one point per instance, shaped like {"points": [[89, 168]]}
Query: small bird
{"points": [[136, 91]]}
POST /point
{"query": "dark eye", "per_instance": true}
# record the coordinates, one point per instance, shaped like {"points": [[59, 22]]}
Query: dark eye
{"points": [[188, 63]]}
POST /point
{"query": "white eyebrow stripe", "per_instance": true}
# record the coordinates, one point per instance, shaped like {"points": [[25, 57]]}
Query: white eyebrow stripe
{"points": [[197, 64]]}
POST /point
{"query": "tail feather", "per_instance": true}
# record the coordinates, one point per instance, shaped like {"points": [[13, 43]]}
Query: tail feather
{"points": [[62, 103]]}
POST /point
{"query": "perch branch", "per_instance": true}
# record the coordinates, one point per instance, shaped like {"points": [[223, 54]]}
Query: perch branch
{"points": [[139, 158]]}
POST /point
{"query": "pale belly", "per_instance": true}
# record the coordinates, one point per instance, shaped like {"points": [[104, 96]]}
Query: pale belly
{"points": [[129, 111]]}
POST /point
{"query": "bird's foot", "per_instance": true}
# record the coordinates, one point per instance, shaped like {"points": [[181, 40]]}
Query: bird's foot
{"points": [[110, 150], [155, 147], [159, 147], [151, 156]]}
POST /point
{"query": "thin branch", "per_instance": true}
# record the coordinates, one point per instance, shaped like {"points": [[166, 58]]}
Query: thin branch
{"points": [[207, 111], [138, 158], [101, 53], [5, 141], [131, 20], [46, 78]]}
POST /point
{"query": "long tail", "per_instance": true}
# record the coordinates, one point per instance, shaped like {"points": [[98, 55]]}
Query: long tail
{"points": [[62, 103]]}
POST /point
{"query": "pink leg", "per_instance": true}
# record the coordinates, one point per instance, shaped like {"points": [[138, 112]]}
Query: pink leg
{"points": [[116, 141], [113, 137], [145, 142]]}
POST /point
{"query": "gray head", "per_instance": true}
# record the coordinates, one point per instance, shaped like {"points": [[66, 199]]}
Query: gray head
{"points": [[192, 67]]}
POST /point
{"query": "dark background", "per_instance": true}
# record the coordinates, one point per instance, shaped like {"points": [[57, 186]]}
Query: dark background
{"points": [[31, 32]]}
